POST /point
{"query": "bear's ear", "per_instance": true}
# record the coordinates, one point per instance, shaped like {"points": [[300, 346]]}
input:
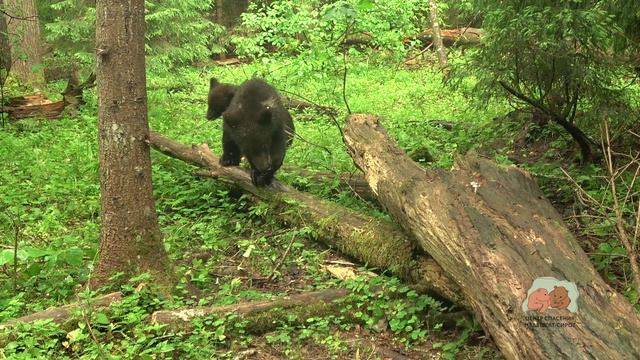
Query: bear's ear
{"points": [[265, 117], [213, 82]]}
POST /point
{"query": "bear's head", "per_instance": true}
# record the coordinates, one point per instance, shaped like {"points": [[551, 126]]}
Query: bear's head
{"points": [[540, 295], [559, 297], [220, 96]]}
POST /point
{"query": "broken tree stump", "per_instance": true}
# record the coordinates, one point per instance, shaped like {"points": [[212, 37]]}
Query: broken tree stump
{"points": [[492, 230], [34, 106], [40, 106], [375, 242]]}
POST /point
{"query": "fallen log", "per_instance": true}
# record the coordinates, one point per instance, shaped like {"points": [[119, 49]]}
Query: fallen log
{"points": [[317, 303], [375, 242], [62, 313], [453, 37], [260, 314], [492, 230], [450, 37]]}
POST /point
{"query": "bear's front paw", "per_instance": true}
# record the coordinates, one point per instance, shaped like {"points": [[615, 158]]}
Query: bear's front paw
{"points": [[261, 179], [229, 160]]}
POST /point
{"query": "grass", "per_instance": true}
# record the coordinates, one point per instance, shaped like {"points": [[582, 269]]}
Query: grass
{"points": [[223, 243]]}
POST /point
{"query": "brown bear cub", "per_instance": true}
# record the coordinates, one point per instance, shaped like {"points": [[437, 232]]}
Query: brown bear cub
{"points": [[255, 124]]}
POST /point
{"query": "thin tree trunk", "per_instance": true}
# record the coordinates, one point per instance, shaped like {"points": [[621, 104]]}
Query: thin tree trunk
{"points": [[131, 241], [578, 136], [24, 27], [228, 11], [576, 133], [494, 233], [437, 38], [5, 49]]}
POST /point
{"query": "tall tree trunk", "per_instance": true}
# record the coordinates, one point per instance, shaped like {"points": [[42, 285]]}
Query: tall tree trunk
{"points": [[24, 27], [437, 38], [5, 49], [130, 238], [494, 234], [228, 11], [5, 61]]}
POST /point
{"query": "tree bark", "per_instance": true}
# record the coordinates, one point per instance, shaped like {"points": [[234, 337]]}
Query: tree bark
{"points": [[494, 233], [228, 11], [437, 38], [295, 104], [5, 49], [376, 242], [34, 106], [131, 241], [24, 27]]}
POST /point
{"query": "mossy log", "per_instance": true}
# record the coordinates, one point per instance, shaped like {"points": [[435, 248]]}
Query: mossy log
{"points": [[375, 242], [493, 231], [62, 313], [260, 314]]}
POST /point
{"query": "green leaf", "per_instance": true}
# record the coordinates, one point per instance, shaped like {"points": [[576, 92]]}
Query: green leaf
{"points": [[72, 256], [101, 318], [365, 5], [6, 257]]}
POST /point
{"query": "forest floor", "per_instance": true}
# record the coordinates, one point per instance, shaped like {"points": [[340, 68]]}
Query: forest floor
{"points": [[226, 245]]}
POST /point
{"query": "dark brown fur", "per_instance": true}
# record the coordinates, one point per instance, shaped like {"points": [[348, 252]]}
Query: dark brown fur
{"points": [[256, 125]]}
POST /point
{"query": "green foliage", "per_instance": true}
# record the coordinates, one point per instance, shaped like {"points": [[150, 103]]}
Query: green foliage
{"points": [[557, 55], [406, 312], [50, 189], [71, 33], [314, 29], [227, 247], [178, 32]]}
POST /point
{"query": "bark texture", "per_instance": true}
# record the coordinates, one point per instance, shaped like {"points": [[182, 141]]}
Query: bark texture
{"points": [[376, 242], [228, 11], [5, 49], [24, 26], [493, 232], [130, 236], [437, 37]]}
